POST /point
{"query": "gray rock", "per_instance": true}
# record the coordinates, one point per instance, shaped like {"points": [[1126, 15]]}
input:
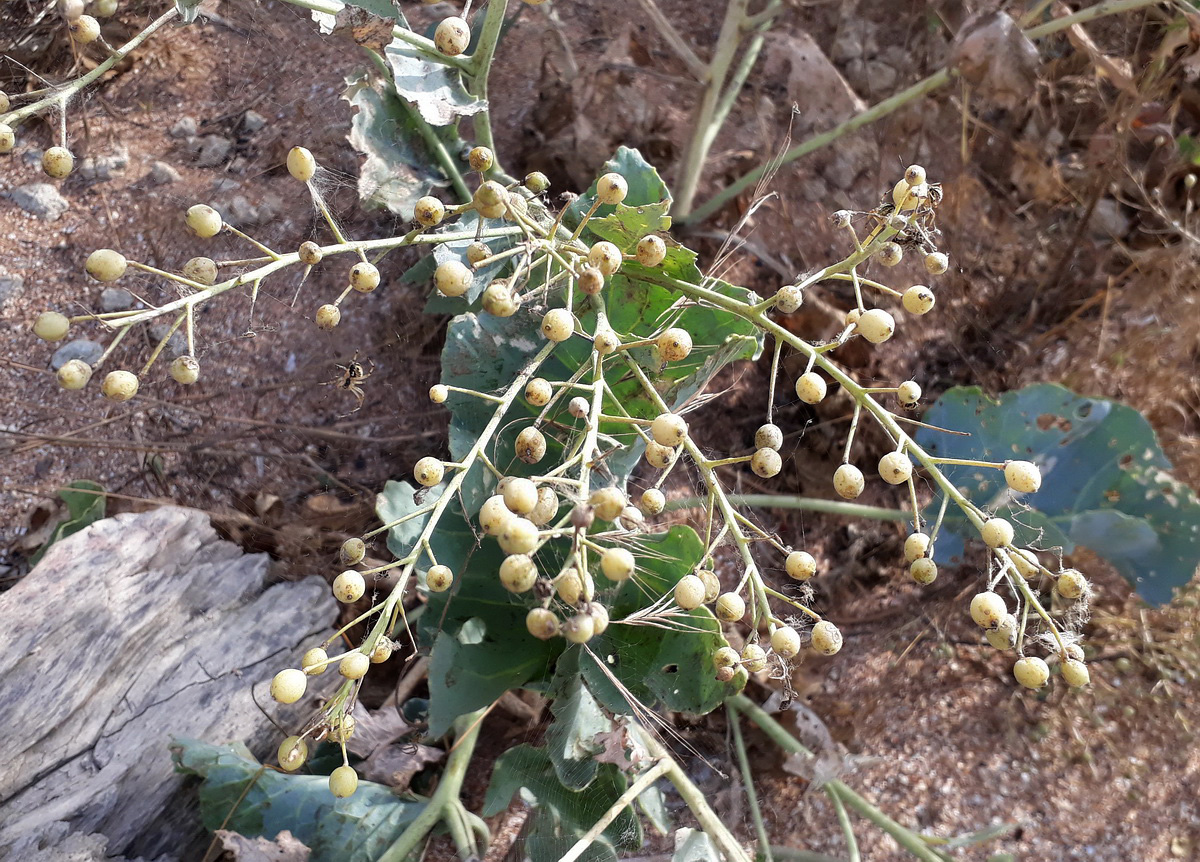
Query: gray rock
{"points": [[185, 127], [158, 598], [162, 174], [177, 346], [115, 299], [225, 184], [10, 286], [241, 212], [213, 150], [102, 168], [81, 348], [1109, 220], [32, 157], [40, 199], [253, 121]]}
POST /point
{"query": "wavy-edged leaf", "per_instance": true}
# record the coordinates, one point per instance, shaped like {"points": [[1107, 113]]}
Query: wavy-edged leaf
{"points": [[529, 768], [672, 667], [397, 167], [578, 719], [86, 504], [434, 89], [645, 187], [1105, 483], [356, 829]]}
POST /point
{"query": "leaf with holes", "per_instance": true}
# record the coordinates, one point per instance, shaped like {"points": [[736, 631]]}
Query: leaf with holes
{"points": [[1105, 480], [397, 166], [239, 794], [529, 768]]}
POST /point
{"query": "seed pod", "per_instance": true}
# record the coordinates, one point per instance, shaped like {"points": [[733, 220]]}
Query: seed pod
{"points": [[74, 374], [185, 370], [651, 250], [542, 623], [531, 445], [204, 221], [51, 326], [988, 609], [653, 501], [328, 316], [343, 781], [518, 536], [848, 481], [810, 387], [674, 344], [1022, 476], [119, 386], [789, 298], [518, 573], [429, 212], [104, 264], [669, 429], [202, 270], [918, 299], [785, 640], [439, 578], [895, 468], [730, 607], [591, 280], [997, 533], [352, 551], [689, 592], [876, 325], [768, 436], [766, 463], [301, 164], [288, 685], [310, 253], [1031, 672], [826, 638], [800, 565], [481, 159], [58, 162], [349, 587], [611, 189], [452, 36]]}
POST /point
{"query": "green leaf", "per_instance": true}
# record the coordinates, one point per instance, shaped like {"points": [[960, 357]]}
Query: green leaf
{"points": [[434, 89], [356, 829], [645, 187], [548, 841], [327, 21], [188, 9], [503, 655], [464, 677], [578, 719], [397, 500], [669, 666], [692, 845], [1105, 480], [86, 504], [530, 768], [397, 168]]}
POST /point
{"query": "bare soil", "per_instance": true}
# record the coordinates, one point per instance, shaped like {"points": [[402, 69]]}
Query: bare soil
{"points": [[1067, 267]]}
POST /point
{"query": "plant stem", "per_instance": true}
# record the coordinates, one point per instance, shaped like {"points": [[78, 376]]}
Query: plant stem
{"points": [[436, 145], [906, 838], [790, 501], [61, 95], [893, 103], [425, 46], [703, 123], [667, 30], [876, 112], [697, 802], [479, 66], [764, 842], [466, 731], [635, 790], [293, 258], [844, 821]]}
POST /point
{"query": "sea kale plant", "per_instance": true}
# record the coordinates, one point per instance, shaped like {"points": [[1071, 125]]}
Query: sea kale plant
{"points": [[583, 340]]}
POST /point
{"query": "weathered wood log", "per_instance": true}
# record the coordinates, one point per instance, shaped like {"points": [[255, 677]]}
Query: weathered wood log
{"points": [[137, 629]]}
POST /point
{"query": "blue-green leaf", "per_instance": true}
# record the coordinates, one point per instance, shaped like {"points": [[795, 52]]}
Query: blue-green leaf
{"points": [[1105, 480], [240, 795]]}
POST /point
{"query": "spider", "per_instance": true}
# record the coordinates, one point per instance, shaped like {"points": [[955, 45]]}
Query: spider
{"points": [[353, 374]]}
